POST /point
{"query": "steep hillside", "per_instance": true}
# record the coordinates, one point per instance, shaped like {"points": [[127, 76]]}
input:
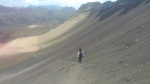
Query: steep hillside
{"points": [[10, 16], [109, 8], [116, 48]]}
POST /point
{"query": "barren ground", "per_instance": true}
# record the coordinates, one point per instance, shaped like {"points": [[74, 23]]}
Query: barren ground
{"points": [[116, 52]]}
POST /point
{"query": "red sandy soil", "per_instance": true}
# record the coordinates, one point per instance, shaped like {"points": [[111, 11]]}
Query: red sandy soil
{"points": [[14, 49], [4, 37]]}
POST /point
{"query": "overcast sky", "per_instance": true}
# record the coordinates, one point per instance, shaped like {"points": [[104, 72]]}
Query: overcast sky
{"points": [[73, 3]]}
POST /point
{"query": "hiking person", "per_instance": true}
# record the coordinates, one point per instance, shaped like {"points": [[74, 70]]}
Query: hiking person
{"points": [[80, 55]]}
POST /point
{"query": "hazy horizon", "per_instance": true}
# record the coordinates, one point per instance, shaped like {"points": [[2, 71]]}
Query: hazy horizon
{"points": [[72, 3]]}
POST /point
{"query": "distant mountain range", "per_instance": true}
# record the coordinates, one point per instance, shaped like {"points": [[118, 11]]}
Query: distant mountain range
{"points": [[54, 15], [35, 15], [49, 7]]}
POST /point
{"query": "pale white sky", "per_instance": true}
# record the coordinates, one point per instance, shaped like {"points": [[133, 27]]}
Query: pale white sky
{"points": [[73, 3]]}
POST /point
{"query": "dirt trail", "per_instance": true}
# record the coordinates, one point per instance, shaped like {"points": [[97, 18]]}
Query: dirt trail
{"points": [[73, 74]]}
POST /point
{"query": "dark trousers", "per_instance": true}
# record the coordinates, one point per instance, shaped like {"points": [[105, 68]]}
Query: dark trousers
{"points": [[80, 60]]}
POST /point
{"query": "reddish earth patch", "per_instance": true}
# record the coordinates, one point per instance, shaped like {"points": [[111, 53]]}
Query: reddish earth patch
{"points": [[14, 49], [5, 36]]}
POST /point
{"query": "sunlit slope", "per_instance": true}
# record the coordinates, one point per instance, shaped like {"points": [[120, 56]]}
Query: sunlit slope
{"points": [[17, 44], [49, 43], [71, 27]]}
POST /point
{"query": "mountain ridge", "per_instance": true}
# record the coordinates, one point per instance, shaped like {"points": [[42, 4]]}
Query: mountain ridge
{"points": [[34, 16], [109, 8]]}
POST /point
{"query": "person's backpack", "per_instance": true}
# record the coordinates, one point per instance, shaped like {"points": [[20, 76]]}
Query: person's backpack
{"points": [[80, 54]]}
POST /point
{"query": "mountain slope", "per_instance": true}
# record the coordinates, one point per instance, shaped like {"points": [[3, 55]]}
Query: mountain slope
{"points": [[10, 16], [116, 51]]}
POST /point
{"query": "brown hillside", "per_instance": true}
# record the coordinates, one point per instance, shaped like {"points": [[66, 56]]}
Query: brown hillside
{"points": [[116, 51]]}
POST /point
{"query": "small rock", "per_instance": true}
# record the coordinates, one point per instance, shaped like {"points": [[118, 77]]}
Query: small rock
{"points": [[137, 40], [147, 62], [127, 64], [130, 75], [117, 79], [145, 32], [120, 62]]}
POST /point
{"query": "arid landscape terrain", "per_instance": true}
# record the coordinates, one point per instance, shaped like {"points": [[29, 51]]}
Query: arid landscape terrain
{"points": [[115, 37]]}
